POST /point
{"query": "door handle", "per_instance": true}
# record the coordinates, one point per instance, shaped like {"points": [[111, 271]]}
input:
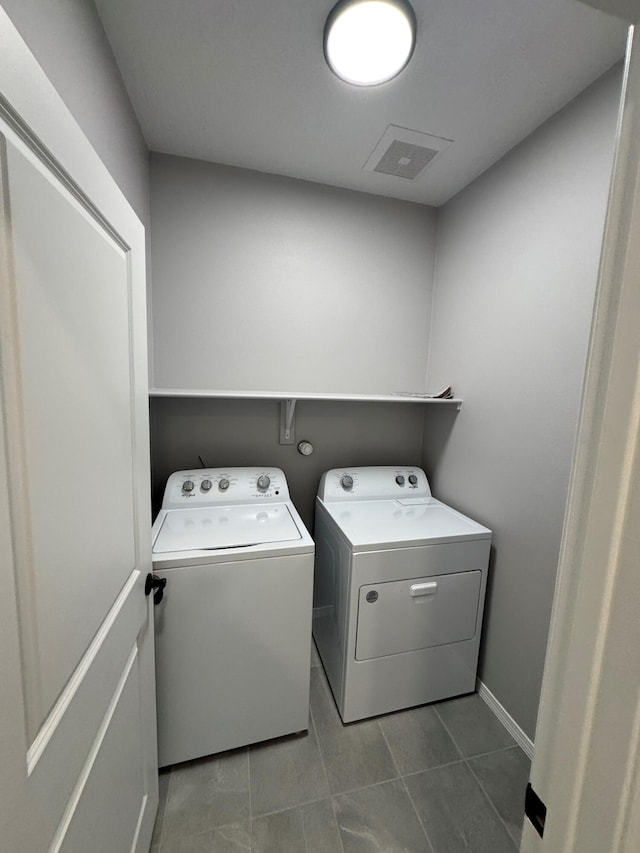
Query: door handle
{"points": [[423, 588], [153, 582]]}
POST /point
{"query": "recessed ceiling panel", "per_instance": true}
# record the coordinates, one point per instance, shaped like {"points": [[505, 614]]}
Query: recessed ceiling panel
{"points": [[404, 160], [404, 153]]}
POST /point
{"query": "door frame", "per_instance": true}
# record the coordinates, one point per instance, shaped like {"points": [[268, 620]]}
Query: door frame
{"points": [[587, 761]]}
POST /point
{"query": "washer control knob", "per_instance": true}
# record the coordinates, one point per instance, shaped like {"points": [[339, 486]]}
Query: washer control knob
{"points": [[400, 480], [187, 486], [346, 482], [264, 482], [205, 485], [413, 479], [223, 484]]}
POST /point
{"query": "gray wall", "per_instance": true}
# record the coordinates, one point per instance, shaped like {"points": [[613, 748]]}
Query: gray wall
{"points": [[518, 255], [273, 284], [341, 284], [67, 39], [245, 432]]}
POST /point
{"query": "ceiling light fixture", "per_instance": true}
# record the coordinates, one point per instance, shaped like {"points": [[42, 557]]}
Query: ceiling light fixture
{"points": [[367, 42]]}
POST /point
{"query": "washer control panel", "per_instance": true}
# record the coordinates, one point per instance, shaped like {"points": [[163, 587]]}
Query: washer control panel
{"points": [[380, 482], [210, 486]]}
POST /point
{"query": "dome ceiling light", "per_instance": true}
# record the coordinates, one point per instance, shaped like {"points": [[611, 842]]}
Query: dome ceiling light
{"points": [[367, 42]]}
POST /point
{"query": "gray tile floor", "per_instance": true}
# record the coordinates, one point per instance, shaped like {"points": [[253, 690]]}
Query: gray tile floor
{"points": [[444, 778]]}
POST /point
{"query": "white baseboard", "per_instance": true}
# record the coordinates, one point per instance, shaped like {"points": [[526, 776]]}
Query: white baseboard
{"points": [[523, 740]]}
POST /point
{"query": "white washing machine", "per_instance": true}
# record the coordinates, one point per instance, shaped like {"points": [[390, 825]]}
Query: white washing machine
{"points": [[400, 584], [233, 628]]}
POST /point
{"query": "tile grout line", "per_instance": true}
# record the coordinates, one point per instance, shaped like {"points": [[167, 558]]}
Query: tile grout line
{"points": [[341, 794], [492, 804], [480, 754], [304, 834], [460, 760], [424, 828], [215, 826], [164, 811], [509, 746], [326, 776], [404, 785], [362, 787], [493, 752], [335, 818], [315, 734], [251, 844], [249, 792], [330, 795], [393, 758], [346, 726], [466, 761], [291, 808], [435, 767], [446, 728]]}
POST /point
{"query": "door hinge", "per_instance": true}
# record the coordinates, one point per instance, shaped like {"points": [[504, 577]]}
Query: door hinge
{"points": [[535, 810], [153, 582]]}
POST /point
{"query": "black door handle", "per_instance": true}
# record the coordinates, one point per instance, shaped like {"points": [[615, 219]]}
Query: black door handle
{"points": [[153, 582]]}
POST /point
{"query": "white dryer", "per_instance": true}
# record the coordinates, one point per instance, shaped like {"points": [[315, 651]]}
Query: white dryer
{"points": [[400, 586], [233, 628]]}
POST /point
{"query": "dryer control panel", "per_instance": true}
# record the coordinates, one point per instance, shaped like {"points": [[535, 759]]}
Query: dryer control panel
{"points": [[215, 486], [380, 482]]}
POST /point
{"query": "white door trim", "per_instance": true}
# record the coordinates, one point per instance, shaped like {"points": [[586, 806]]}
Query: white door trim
{"points": [[588, 737], [33, 107]]}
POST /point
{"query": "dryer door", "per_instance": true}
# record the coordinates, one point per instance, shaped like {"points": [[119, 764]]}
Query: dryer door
{"points": [[402, 616]]}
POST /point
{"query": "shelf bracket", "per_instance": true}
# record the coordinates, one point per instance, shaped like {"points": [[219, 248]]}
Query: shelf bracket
{"points": [[287, 421]]}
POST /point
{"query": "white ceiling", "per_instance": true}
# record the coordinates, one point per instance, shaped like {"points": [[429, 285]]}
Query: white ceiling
{"points": [[244, 82]]}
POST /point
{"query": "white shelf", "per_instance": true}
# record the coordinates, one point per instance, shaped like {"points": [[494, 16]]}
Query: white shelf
{"points": [[301, 395], [288, 400]]}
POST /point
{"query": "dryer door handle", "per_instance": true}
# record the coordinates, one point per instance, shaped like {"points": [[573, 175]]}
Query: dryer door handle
{"points": [[423, 588]]}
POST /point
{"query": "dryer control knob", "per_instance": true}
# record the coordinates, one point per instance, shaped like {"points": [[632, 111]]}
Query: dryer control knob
{"points": [[413, 479], [205, 485], [264, 482], [187, 486], [223, 484], [346, 482], [400, 480]]}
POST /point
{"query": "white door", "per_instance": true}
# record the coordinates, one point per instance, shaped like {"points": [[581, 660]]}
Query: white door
{"points": [[78, 766], [586, 769]]}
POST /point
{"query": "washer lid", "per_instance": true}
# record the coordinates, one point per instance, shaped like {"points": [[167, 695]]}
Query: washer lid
{"points": [[370, 524], [213, 528]]}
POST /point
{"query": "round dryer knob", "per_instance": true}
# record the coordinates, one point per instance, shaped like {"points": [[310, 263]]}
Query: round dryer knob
{"points": [[223, 484], [264, 482], [187, 486], [400, 480], [346, 482], [413, 479], [205, 485]]}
